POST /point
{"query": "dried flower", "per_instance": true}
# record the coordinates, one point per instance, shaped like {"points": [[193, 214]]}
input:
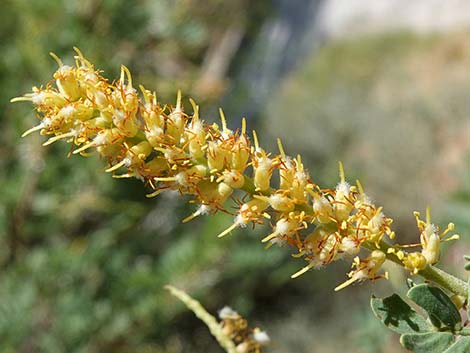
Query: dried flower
{"points": [[232, 331]]}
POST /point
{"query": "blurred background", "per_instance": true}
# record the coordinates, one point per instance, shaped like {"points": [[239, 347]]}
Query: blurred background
{"points": [[382, 85]]}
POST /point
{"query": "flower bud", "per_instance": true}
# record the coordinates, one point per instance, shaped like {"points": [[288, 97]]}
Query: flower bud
{"points": [[414, 262], [240, 156], [286, 173], [67, 83], [141, 150], [263, 172], [233, 178], [175, 125], [343, 206], [126, 122], [322, 209], [431, 251], [215, 156], [328, 249], [154, 167], [281, 203], [311, 241], [350, 246]]}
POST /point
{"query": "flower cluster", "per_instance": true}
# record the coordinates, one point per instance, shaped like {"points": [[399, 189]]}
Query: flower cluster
{"points": [[232, 331], [246, 340], [430, 243], [170, 149]]}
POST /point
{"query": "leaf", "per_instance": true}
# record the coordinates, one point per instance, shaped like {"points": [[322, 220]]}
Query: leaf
{"points": [[462, 345], [410, 283], [467, 258], [468, 299], [441, 310], [431, 342], [397, 315], [417, 335]]}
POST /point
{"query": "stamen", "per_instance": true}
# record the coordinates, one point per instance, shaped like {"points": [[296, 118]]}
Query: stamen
{"points": [[165, 178], [122, 74], [36, 128], [281, 148], [84, 147], [224, 121], [145, 93], [255, 139], [155, 193], [268, 246], [21, 99], [453, 237], [228, 230], [203, 209], [450, 227], [125, 70], [78, 51], [359, 186], [195, 110], [116, 166], [428, 215], [123, 176], [341, 172], [302, 271], [404, 246], [269, 237], [58, 137], [345, 284], [57, 59], [299, 163], [162, 150], [299, 255], [178, 101]]}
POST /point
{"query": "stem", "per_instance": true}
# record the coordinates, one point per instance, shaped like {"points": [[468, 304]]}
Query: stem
{"points": [[214, 327], [445, 280], [430, 273]]}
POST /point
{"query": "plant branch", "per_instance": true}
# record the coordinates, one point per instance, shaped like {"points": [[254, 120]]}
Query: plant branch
{"points": [[429, 273]]}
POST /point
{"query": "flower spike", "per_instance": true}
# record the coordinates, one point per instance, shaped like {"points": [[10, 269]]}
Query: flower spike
{"points": [[169, 149]]}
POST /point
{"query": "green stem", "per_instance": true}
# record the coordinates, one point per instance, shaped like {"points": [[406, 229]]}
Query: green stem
{"points": [[445, 280], [430, 273]]}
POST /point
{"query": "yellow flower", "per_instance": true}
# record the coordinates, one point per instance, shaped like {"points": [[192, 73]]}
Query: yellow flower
{"points": [[431, 239], [415, 262]]}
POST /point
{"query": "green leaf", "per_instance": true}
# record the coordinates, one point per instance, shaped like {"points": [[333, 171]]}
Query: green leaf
{"points": [[431, 342], [462, 345], [397, 315], [468, 299], [410, 283], [442, 312], [467, 258]]}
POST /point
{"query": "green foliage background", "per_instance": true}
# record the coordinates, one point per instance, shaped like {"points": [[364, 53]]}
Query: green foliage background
{"points": [[84, 257]]}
